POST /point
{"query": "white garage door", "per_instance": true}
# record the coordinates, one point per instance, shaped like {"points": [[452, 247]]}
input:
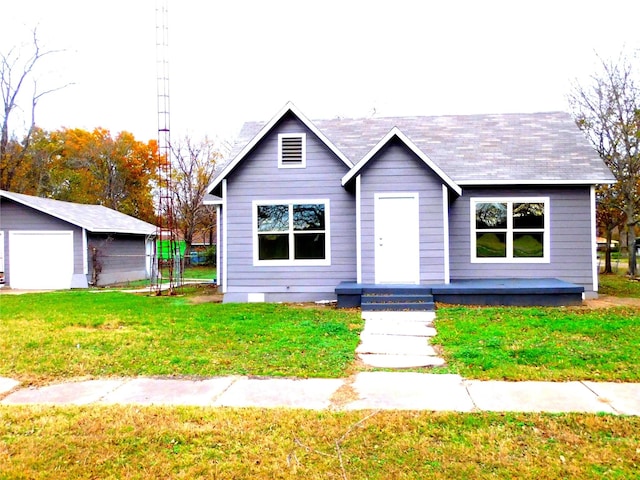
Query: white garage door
{"points": [[40, 260]]}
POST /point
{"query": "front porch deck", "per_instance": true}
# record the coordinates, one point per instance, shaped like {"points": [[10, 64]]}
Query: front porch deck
{"points": [[502, 291]]}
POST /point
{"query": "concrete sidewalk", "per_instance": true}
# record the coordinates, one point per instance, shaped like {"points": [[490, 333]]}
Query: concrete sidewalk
{"points": [[366, 390]]}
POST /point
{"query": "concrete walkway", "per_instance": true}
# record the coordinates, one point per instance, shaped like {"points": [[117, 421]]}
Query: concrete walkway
{"points": [[398, 340], [388, 340], [366, 390]]}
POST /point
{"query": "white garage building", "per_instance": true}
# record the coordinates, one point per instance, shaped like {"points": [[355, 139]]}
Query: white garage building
{"points": [[49, 244]]}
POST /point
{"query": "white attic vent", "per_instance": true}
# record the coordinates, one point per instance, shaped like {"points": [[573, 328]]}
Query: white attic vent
{"points": [[291, 150]]}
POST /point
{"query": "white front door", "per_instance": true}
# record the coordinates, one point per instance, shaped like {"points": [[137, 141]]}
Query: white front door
{"points": [[397, 237]]}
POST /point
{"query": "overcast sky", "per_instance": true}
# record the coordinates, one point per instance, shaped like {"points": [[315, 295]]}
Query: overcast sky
{"points": [[238, 60]]}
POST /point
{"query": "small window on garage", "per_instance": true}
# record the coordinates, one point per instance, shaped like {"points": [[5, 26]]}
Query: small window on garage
{"points": [[292, 150]]}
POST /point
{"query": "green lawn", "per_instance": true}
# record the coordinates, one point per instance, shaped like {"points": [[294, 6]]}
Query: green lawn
{"points": [[541, 343], [619, 286], [48, 337], [198, 273], [43, 442], [51, 336]]}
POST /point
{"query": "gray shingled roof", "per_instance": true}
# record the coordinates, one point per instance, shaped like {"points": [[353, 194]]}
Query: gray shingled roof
{"points": [[475, 149], [94, 218]]}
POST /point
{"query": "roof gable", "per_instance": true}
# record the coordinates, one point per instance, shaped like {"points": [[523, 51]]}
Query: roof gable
{"points": [[395, 132], [94, 218], [264, 131]]}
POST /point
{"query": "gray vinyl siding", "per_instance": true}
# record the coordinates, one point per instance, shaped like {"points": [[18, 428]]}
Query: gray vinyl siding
{"points": [[19, 217], [571, 257], [259, 178], [396, 169], [122, 257]]}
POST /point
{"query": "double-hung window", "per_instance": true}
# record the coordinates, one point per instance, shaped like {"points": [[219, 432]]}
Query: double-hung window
{"points": [[510, 230], [291, 232]]}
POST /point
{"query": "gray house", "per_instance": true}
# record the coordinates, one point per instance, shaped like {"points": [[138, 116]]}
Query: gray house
{"points": [[49, 244], [476, 205]]}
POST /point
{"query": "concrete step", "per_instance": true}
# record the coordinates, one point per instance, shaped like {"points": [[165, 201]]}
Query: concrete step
{"points": [[397, 290], [400, 298], [395, 345], [400, 317], [394, 307], [400, 361]]}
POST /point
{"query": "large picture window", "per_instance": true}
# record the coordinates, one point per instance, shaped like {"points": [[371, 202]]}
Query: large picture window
{"points": [[292, 232], [510, 230]]}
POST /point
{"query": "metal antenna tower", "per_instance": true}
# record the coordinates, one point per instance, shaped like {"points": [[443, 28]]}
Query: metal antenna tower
{"points": [[169, 254]]}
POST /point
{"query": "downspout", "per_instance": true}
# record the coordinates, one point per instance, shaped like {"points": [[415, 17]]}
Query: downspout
{"points": [[358, 233], [594, 241], [218, 266], [85, 253], [225, 261], [445, 229]]}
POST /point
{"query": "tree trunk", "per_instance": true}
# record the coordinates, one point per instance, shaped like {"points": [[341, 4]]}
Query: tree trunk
{"points": [[632, 251], [607, 253]]}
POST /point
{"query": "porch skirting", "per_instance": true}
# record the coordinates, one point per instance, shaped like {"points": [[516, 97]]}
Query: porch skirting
{"points": [[503, 291]]}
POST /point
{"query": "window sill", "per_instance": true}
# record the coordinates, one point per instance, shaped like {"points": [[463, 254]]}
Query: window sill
{"points": [[511, 260], [292, 263]]}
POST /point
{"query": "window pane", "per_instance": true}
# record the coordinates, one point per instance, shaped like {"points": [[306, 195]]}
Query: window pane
{"points": [[528, 215], [309, 246], [273, 247], [491, 215], [528, 245], [491, 245], [273, 218], [308, 217]]}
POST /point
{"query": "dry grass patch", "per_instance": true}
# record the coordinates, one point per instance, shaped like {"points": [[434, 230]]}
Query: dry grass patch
{"points": [[132, 442]]}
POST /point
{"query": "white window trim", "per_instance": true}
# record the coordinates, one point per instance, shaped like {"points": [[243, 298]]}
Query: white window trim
{"points": [[291, 262], [546, 258], [303, 163]]}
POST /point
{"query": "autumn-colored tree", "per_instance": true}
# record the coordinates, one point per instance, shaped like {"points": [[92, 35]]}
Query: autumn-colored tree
{"points": [[194, 164], [608, 111], [96, 168], [609, 216]]}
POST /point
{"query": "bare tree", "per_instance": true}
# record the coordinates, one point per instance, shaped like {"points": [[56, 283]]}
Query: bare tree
{"points": [[608, 111], [15, 72], [194, 164]]}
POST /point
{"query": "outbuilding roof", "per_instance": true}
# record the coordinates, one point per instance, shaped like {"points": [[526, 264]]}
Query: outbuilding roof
{"points": [[512, 148], [94, 218]]}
